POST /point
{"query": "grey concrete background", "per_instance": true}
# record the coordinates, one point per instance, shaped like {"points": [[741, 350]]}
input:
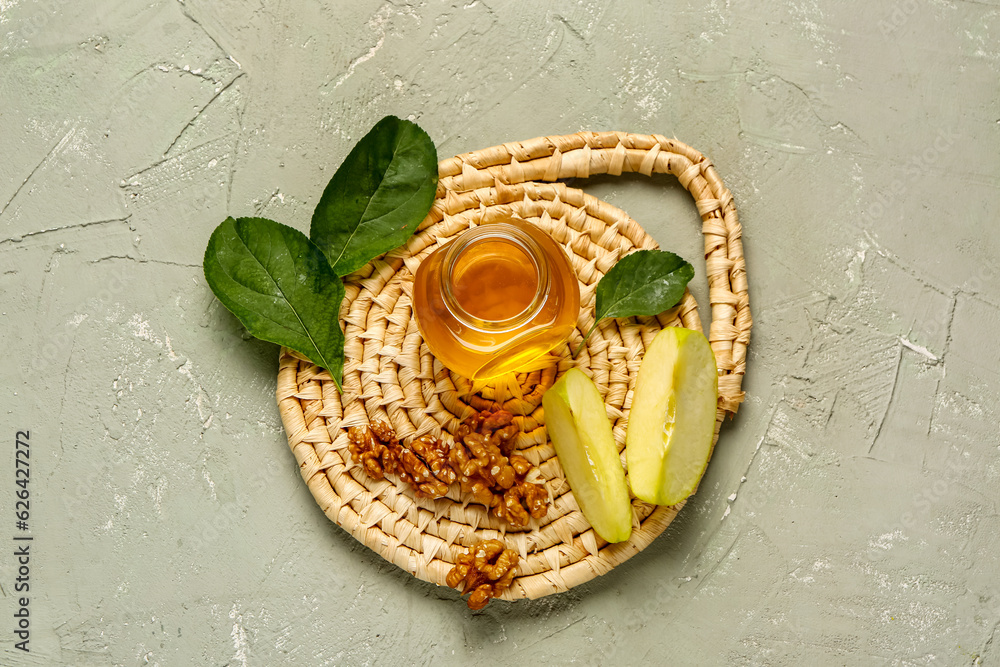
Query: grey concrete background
{"points": [[850, 513]]}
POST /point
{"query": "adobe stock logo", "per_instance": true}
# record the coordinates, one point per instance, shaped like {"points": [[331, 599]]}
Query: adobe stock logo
{"points": [[921, 164], [900, 14]]}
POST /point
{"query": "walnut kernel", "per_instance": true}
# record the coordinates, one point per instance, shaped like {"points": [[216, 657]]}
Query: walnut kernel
{"points": [[486, 570]]}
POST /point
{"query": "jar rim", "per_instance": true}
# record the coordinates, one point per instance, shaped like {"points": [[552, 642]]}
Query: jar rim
{"points": [[509, 231]]}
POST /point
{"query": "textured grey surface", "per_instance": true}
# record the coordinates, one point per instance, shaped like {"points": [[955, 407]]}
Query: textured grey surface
{"points": [[850, 513]]}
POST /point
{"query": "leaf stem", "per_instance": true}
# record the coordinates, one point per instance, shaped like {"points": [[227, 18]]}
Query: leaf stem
{"points": [[582, 342]]}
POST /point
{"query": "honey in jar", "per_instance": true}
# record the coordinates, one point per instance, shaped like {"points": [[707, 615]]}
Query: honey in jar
{"points": [[495, 299]]}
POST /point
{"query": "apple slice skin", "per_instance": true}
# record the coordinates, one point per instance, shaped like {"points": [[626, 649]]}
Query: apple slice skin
{"points": [[671, 422], [578, 426]]}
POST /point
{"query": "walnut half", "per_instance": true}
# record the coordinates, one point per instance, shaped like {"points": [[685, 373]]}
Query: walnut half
{"points": [[375, 448], [486, 570], [426, 468]]}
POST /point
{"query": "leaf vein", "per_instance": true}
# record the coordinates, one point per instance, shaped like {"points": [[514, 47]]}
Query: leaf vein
{"points": [[361, 220], [281, 292]]}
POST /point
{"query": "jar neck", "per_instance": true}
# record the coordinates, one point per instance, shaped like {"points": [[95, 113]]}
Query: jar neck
{"points": [[467, 243]]}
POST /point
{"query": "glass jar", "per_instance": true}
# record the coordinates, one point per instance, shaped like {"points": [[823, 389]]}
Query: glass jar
{"points": [[496, 298]]}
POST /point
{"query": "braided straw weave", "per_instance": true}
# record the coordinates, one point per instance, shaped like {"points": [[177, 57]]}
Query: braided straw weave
{"points": [[390, 375]]}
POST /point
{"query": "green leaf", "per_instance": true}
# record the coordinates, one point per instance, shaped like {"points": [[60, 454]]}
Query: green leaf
{"points": [[377, 197], [280, 286], [646, 282]]}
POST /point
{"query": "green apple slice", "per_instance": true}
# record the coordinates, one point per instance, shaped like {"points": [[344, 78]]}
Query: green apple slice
{"points": [[670, 426], [581, 433]]}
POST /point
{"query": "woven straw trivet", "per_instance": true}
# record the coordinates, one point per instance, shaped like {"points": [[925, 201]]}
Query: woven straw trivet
{"points": [[390, 375]]}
